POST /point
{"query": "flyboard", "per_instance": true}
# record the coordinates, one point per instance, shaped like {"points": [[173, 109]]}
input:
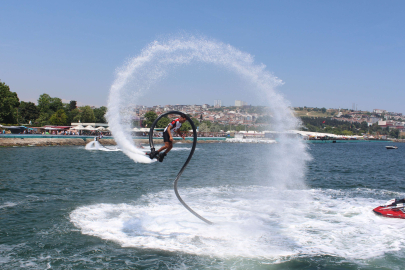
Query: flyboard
{"points": [[394, 208], [153, 152]]}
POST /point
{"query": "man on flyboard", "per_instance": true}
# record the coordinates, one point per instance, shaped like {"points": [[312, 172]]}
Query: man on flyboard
{"points": [[173, 126]]}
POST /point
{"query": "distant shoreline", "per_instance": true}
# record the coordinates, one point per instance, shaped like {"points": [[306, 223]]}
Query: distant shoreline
{"points": [[54, 140], [10, 140]]}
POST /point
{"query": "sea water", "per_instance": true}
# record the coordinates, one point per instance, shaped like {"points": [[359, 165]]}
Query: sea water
{"points": [[68, 208]]}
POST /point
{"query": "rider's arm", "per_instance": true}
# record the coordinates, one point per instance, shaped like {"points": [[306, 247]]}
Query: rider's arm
{"points": [[181, 134]]}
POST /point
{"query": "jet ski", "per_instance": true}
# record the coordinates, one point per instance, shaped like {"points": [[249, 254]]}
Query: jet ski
{"points": [[394, 208]]}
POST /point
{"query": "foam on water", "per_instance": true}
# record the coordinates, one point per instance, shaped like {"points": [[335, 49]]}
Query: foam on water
{"points": [[183, 149], [96, 146], [8, 204], [278, 226]]}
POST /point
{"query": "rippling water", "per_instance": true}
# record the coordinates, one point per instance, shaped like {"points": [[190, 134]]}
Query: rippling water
{"points": [[66, 207]]}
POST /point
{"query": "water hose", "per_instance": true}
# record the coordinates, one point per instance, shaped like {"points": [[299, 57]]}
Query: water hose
{"points": [[152, 149]]}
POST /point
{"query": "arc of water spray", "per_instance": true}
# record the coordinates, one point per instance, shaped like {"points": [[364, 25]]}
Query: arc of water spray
{"points": [[142, 72], [152, 147]]}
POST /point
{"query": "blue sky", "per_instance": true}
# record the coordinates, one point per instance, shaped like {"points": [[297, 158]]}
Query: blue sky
{"points": [[328, 53]]}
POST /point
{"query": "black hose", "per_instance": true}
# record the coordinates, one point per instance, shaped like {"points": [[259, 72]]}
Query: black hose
{"points": [[152, 148]]}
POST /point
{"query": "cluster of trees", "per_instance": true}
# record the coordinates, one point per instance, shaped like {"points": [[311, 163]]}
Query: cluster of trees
{"points": [[8, 103], [323, 110], [49, 111], [345, 128]]}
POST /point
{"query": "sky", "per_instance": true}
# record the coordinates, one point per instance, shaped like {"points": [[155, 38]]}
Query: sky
{"points": [[329, 54]]}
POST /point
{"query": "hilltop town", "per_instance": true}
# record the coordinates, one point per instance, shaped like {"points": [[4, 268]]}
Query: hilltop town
{"points": [[247, 117]]}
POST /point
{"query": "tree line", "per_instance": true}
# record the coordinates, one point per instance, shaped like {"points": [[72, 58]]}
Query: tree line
{"points": [[49, 111]]}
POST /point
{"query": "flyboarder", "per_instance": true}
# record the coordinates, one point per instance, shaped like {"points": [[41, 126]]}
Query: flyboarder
{"points": [[173, 126]]}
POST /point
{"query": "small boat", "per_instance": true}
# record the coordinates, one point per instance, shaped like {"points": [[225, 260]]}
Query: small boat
{"points": [[394, 208], [391, 147]]}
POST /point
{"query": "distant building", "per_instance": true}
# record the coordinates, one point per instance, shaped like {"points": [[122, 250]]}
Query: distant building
{"points": [[378, 111], [240, 103], [372, 120], [217, 103]]}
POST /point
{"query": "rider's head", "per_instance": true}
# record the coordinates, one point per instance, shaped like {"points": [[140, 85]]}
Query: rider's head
{"points": [[182, 118]]}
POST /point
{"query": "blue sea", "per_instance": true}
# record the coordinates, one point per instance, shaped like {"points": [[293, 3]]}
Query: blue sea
{"points": [[71, 208]]}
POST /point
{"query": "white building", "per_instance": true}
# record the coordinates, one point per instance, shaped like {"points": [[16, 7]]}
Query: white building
{"points": [[217, 103], [240, 103]]}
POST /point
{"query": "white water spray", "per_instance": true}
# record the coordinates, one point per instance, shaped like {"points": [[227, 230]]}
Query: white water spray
{"points": [[96, 146], [141, 73], [333, 223]]}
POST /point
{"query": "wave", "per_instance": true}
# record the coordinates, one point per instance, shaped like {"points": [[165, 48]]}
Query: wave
{"points": [[277, 225]]}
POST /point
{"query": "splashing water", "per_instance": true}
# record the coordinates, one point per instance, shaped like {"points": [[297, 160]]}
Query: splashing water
{"points": [[96, 146], [141, 73], [333, 223]]}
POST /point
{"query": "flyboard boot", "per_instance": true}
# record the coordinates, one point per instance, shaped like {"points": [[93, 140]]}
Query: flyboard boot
{"points": [[161, 157], [154, 154]]}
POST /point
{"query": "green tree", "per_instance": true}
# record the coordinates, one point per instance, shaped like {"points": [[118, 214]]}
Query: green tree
{"points": [[87, 115], [204, 128], [9, 103], [43, 119], [195, 121], [99, 114], [239, 127], [163, 122], [72, 116], [347, 132], [47, 107], [208, 123], [72, 105], [311, 128], [75, 115], [150, 117], [55, 104], [186, 126], [215, 127], [394, 133], [28, 111], [59, 118], [44, 103]]}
